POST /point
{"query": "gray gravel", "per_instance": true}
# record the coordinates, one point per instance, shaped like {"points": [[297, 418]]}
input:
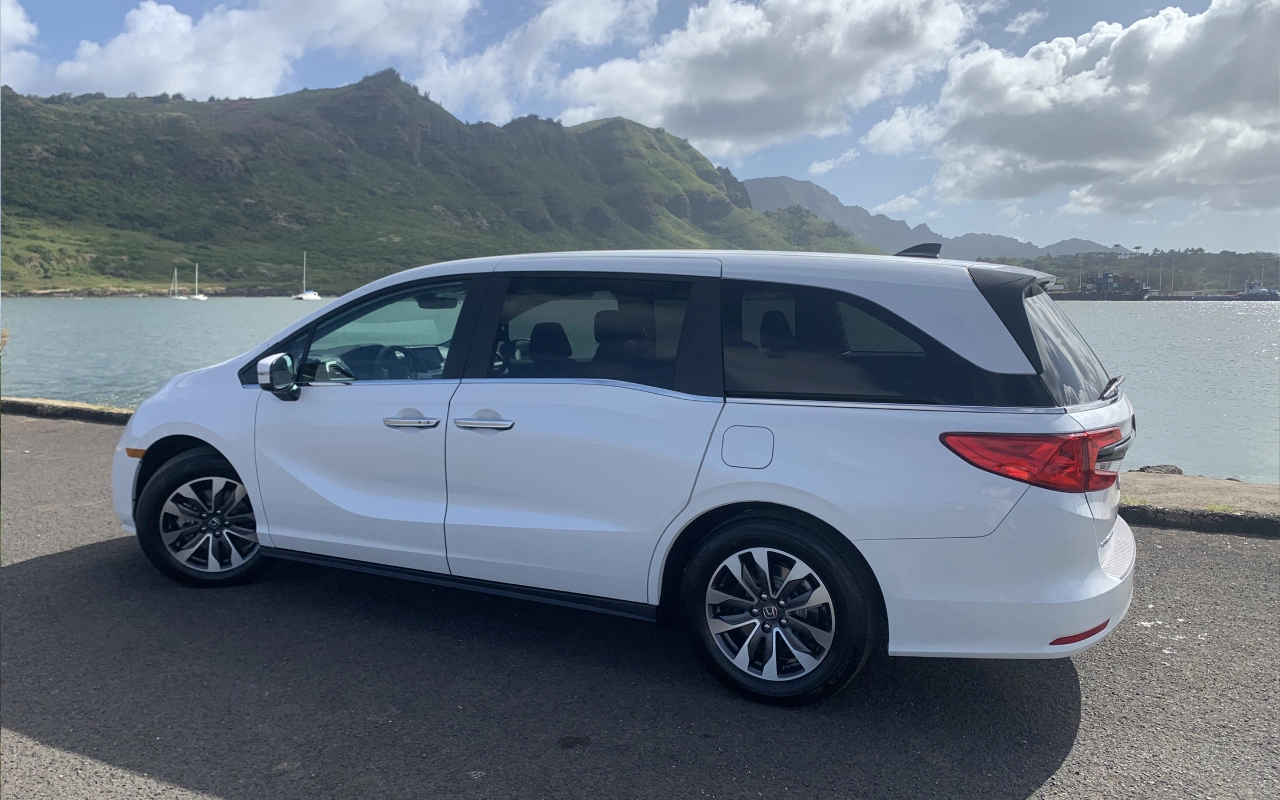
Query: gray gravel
{"points": [[115, 682]]}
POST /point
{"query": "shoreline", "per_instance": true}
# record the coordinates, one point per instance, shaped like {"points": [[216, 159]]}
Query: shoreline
{"points": [[1187, 502], [156, 294]]}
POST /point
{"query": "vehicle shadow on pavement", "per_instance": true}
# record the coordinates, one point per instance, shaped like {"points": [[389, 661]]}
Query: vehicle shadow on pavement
{"points": [[320, 683]]}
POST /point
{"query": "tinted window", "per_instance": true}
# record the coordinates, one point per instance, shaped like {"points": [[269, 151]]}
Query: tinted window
{"points": [[1071, 370], [590, 327], [402, 336], [796, 342]]}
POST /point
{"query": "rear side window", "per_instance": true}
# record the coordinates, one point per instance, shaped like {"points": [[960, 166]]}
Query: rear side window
{"points": [[1072, 373], [597, 327], [797, 342]]}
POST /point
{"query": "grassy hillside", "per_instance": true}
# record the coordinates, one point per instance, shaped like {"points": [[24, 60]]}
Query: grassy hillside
{"points": [[110, 193]]}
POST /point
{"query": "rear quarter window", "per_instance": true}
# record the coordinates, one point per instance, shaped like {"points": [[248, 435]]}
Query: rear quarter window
{"points": [[807, 343], [1072, 373]]}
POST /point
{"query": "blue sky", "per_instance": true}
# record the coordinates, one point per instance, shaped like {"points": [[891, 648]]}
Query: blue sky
{"points": [[1025, 118]]}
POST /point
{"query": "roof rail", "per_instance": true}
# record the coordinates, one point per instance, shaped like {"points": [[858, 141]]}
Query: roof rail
{"points": [[926, 250]]}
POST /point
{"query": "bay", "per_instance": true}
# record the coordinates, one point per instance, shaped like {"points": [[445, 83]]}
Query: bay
{"points": [[1205, 376]]}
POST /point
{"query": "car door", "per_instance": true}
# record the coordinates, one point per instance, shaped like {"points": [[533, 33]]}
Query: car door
{"points": [[354, 468], [578, 432]]}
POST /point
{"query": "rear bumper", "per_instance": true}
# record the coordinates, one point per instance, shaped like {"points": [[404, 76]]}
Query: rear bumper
{"points": [[1039, 576]]}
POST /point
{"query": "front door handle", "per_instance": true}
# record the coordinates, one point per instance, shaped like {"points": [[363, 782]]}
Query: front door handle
{"points": [[409, 422], [486, 424]]}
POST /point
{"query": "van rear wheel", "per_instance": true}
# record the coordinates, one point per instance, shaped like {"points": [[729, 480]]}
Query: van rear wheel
{"points": [[779, 613]]}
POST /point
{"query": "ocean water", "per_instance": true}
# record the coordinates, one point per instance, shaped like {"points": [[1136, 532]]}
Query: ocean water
{"points": [[1205, 376]]}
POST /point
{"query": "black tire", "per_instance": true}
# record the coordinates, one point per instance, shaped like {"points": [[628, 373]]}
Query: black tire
{"points": [[184, 468], [859, 631]]}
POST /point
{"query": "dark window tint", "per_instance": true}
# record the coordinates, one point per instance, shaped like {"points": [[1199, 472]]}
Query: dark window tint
{"points": [[590, 327], [1072, 372], [797, 342], [402, 336]]}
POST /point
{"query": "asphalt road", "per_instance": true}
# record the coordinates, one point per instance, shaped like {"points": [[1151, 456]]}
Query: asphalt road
{"points": [[313, 683]]}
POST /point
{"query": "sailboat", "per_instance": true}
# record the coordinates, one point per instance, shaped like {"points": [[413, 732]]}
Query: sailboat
{"points": [[173, 288], [306, 294], [197, 295]]}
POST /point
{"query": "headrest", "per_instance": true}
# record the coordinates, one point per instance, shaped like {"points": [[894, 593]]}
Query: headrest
{"points": [[548, 341], [612, 326], [775, 331]]}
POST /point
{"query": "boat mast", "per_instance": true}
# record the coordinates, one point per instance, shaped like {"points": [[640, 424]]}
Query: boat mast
{"points": [[304, 271], [197, 277]]}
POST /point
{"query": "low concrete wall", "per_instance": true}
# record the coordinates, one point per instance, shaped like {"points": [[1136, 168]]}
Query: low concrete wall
{"points": [[1196, 519], [64, 409], [1182, 497]]}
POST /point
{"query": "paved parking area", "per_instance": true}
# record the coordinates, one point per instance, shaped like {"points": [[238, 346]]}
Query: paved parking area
{"points": [[316, 683]]}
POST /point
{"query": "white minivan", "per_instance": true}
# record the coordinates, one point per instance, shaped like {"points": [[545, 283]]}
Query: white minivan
{"points": [[810, 458]]}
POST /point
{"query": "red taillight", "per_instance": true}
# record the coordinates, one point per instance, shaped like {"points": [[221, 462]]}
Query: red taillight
{"points": [[1064, 462], [1080, 637]]}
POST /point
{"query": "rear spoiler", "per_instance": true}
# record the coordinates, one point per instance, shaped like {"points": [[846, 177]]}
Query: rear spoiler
{"points": [[1005, 290]]}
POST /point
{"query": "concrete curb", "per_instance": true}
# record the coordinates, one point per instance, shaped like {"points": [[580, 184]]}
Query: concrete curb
{"points": [[64, 409], [1192, 519]]}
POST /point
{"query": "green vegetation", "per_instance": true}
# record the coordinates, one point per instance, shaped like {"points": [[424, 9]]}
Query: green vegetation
{"points": [[1180, 270], [111, 194]]}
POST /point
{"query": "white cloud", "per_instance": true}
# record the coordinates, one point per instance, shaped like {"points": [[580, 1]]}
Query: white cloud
{"points": [[823, 167], [740, 76], [1014, 214], [1024, 22], [496, 78], [18, 65], [903, 202], [1172, 106], [908, 129], [250, 51]]}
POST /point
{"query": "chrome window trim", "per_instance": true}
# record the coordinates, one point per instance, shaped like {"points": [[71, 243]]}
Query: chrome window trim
{"points": [[1058, 410], [639, 387], [899, 406], [397, 382]]}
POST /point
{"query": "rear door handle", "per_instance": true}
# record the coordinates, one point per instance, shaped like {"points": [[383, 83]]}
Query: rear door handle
{"points": [[409, 422], [487, 424]]}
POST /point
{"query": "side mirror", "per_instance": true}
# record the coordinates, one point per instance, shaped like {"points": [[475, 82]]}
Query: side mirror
{"points": [[276, 375]]}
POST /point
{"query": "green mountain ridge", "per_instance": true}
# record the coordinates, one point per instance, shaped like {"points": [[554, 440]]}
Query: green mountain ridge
{"points": [[112, 194]]}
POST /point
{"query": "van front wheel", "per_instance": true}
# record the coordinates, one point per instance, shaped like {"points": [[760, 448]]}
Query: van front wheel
{"points": [[196, 523]]}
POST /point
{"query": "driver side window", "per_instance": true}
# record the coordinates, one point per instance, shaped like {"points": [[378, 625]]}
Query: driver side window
{"points": [[404, 336]]}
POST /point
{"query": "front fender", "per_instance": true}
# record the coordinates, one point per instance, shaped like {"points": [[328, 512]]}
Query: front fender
{"points": [[209, 405]]}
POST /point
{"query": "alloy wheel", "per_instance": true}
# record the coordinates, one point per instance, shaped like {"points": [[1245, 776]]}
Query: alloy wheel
{"points": [[770, 614], [208, 525]]}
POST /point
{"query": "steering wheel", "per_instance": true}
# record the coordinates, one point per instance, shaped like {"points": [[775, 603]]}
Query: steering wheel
{"points": [[405, 361]]}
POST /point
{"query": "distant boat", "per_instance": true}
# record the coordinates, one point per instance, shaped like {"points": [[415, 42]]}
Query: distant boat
{"points": [[306, 294], [173, 287], [197, 295]]}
